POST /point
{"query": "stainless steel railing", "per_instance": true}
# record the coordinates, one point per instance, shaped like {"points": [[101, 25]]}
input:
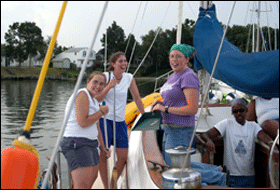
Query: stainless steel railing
{"points": [[164, 75]]}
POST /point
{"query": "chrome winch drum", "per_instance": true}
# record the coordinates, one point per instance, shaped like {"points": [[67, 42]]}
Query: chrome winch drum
{"points": [[190, 178]]}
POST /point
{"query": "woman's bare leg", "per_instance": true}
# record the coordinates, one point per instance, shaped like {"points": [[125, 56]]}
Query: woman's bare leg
{"points": [[103, 170], [122, 154], [84, 177]]}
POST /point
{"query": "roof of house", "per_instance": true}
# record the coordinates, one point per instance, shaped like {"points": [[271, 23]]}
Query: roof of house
{"points": [[58, 59], [76, 49]]}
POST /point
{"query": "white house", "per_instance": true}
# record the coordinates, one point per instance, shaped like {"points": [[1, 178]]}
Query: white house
{"points": [[35, 61], [73, 55], [3, 60]]}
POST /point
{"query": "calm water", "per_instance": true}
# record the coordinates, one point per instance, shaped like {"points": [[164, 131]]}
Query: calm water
{"points": [[16, 97]]}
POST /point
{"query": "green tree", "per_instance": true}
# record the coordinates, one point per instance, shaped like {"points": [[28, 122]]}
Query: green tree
{"points": [[23, 40], [31, 36], [3, 51], [187, 32], [146, 43], [14, 44], [44, 48], [130, 41], [115, 39]]}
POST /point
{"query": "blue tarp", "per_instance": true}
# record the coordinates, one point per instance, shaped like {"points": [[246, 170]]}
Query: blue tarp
{"points": [[252, 73]]}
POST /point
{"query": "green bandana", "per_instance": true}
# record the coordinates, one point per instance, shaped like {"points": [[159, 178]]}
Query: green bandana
{"points": [[187, 50]]}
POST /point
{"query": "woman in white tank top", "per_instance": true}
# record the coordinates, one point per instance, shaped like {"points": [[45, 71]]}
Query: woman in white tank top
{"points": [[265, 111], [122, 82], [82, 134]]}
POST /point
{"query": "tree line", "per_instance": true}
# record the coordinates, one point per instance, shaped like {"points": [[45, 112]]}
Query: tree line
{"points": [[24, 40]]}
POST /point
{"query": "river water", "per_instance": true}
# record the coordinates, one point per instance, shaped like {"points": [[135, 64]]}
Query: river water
{"points": [[16, 97]]}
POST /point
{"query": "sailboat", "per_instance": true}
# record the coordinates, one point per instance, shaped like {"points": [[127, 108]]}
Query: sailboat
{"points": [[145, 163]]}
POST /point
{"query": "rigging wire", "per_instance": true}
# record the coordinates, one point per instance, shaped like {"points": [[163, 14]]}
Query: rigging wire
{"points": [[246, 16], [268, 25], [153, 41], [248, 39], [137, 35], [194, 13], [133, 27]]}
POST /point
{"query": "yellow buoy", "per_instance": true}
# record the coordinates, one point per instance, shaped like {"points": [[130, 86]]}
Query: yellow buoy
{"points": [[20, 166]]}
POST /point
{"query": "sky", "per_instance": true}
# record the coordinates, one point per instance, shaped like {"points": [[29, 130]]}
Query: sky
{"points": [[81, 17]]}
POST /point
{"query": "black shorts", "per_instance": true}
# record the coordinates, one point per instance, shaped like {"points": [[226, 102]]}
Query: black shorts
{"points": [[80, 152]]}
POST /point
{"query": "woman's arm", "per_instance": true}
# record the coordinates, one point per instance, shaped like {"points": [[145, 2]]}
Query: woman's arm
{"points": [[251, 113], [136, 96], [104, 92], [82, 111], [191, 95]]}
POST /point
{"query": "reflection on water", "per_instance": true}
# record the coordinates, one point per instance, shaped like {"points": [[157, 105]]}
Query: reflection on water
{"points": [[16, 97]]}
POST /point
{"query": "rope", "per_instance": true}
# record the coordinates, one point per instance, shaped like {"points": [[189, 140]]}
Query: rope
{"points": [[152, 42]]}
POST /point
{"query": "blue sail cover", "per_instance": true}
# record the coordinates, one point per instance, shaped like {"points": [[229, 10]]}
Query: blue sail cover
{"points": [[252, 73]]}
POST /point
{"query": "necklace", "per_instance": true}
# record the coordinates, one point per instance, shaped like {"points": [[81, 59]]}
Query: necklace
{"points": [[117, 78]]}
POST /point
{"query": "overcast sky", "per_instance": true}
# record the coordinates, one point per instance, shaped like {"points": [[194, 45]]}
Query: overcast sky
{"points": [[81, 17]]}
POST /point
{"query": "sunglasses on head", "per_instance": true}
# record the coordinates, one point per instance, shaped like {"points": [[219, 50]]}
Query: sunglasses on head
{"points": [[240, 110]]}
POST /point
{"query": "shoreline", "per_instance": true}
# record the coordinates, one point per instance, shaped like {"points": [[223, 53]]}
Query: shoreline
{"points": [[35, 78], [33, 73]]}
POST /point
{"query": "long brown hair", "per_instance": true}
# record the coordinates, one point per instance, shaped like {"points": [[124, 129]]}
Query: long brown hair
{"points": [[113, 58], [96, 73]]}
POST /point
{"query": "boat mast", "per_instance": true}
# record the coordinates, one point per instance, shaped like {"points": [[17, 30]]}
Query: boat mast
{"points": [[179, 27], [105, 52]]}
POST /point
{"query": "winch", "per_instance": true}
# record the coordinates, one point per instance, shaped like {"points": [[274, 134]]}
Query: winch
{"points": [[178, 178]]}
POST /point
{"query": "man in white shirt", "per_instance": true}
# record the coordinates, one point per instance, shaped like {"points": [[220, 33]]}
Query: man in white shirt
{"points": [[239, 144]]}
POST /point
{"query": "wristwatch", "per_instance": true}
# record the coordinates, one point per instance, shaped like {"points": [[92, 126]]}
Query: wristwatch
{"points": [[166, 109]]}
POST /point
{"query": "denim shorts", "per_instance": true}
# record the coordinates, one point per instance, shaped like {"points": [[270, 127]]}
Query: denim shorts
{"points": [[121, 133], [80, 152], [242, 181], [174, 137]]}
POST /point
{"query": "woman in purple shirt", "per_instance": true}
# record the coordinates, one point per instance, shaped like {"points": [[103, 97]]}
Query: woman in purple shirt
{"points": [[180, 100], [180, 96]]}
